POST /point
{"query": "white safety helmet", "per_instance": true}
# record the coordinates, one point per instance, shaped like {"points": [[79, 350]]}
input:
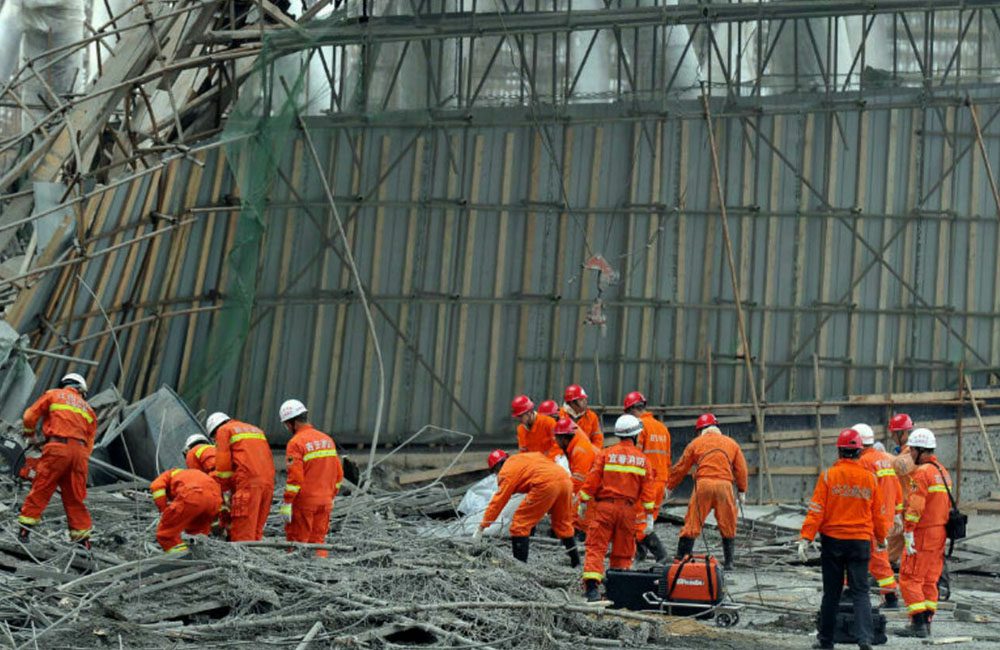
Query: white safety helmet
{"points": [[867, 435], [922, 438], [627, 426], [216, 420], [291, 409], [74, 379], [195, 439]]}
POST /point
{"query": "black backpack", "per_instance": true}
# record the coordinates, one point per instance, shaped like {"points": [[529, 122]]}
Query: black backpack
{"points": [[954, 528]]}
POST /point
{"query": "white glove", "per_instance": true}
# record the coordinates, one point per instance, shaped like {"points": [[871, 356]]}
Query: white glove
{"points": [[478, 535], [743, 498], [881, 545], [908, 540], [286, 512], [649, 525], [666, 495], [803, 545], [897, 526], [581, 510]]}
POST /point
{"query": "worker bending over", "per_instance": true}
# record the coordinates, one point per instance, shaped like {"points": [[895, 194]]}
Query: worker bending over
{"points": [[314, 477], [580, 454], [533, 433], [654, 441], [880, 464], [199, 453], [244, 464], [926, 512], [188, 501], [618, 480], [548, 489], [575, 408], [846, 510], [68, 426], [720, 464]]}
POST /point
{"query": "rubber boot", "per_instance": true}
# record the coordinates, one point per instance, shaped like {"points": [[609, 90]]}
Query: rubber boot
{"points": [[519, 546], [581, 536], [891, 601], [24, 533], [684, 547], [729, 553], [641, 550], [83, 542], [574, 555], [917, 628], [592, 592], [656, 547]]}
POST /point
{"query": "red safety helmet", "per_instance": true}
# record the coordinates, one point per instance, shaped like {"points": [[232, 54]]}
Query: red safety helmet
{"points": [[705, 420], [849, 439], [900, 422], [549, 407], [633, 398], [521, 405], [565, 426], [574, 392], [496, 456]]}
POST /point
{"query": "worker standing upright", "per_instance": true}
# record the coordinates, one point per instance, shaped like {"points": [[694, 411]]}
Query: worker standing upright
{"points": [[534, 433], [188, 501], [899, 427], [68, 426], [618, 480], [720, 464], [928, 504], [654, 441], [880, 464], [580, 454], [314, 477], [846, 510], [245, 465], [575, 408]]}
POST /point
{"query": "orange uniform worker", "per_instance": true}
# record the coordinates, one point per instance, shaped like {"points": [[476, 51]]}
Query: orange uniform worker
{"points": [[926, 513], [244, 463], [879, 463], [533, 433], [846, 510], [580, 454], [549, 490], [899, 427], [618, 479], [575, 408], [549, 408], [654, 441], [189, 501], [314, 478], [69, 426], [720, 463], [199, 453]]}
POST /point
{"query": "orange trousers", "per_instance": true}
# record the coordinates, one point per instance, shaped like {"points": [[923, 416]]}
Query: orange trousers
{"points": [[310, 523], [555, 499], [63, 465], [192, 512], [919, 574], [611, 522], [881, 570], [248, 511], [640, 512], [709, 495]]}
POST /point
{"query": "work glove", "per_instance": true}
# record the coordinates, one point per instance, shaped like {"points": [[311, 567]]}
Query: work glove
{"points": [[897, 525], [881, 546], [649, 525], [581, 510], [226, 500], [478, 534], [803, 545], [908, 540], [743, 498], [286, 512]]}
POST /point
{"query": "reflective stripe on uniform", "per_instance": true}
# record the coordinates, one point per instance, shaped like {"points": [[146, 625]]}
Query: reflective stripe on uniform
{"points": [[918, 606], [584, 496], [625, 469], [815, 507], [175, 472], [649, 505], [665, 452], [886, 582], [593, 575], [294, 489], [73, 409], [30, 521], [178, 548], [578, 476], [81, 533], [338, 485], [159, 494], [885, 472], [931, 605], [912, 517], [321, 453], [937, 488], [200, 450], [899, 507], [250, 435], [224, 474]]}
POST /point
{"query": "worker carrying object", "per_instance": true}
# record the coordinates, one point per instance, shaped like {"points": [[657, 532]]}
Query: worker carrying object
{"points": [[575, 408], [928, 503], [846, 510], [899, 427], [548, 489], [880, 464], [533, 433], [245, 465], [654, 441], [68, 427], [580, 454], [618, 480], [720, 464], [188, 501], [314, 478]]}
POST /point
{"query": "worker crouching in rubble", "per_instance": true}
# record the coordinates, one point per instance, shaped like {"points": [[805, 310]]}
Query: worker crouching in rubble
{"points": [[846, 510], [314, 478], [549, 490], [189, 501], [618, 479], [245, 465]]}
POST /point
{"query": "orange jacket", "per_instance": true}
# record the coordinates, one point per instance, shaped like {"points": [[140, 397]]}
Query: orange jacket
{"points": [[64, 414], [880, 464], [541, 437], [314, 469], [717, 456], [928, 503], [522, 473], [242, 455], [201, 457], [846, 504], [654, 441], [588, 422], [620, 472], [580, 454], [175, 483]]}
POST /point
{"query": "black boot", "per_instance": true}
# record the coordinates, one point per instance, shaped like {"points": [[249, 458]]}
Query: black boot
{"points": [[592, 593], [729, 552], [83, 542], [574, 555], [24, 533], [519, 546], [641, 551], [891, 601], [656, 547], [684, 547], [917, 628]]}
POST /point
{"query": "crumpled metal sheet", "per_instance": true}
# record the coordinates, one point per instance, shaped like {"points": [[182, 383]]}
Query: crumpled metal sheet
{"points": [[17, 380]]}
